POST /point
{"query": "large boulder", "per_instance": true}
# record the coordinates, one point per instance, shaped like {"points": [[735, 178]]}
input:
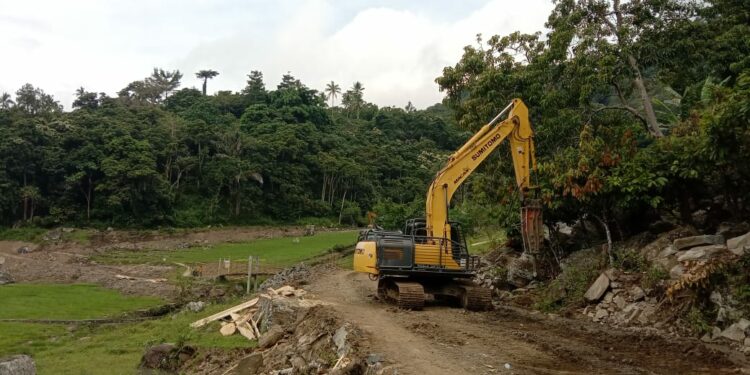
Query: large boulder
{"points": [[734, 333], [700, 252], [17, 365], [250, 365], [522, 270], [738, 244], [166, 357], [5, 278], [690, 242], [597, 289]]}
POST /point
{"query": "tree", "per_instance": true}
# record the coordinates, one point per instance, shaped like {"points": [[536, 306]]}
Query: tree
{"points": [[353, 98], [205, 75], [606, 37], [410, 107], [34, 101], [332, 90], [6, 102], [164, 81], [85, 99], [255, 90]]}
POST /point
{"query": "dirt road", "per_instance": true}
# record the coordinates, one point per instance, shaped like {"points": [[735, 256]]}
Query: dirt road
{"points": [[444, 340]]}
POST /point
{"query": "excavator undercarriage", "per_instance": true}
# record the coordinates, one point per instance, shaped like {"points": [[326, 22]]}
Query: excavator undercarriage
{"points": [[412, 295]]}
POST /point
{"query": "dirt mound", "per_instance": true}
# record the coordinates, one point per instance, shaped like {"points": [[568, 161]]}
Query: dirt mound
{"points": [[299, 336]]}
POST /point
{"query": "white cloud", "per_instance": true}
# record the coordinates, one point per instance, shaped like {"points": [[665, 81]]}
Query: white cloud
{"points": [[396, 52]]}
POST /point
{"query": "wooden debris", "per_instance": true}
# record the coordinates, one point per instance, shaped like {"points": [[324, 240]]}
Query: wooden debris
{"points": [[133, 278], [254, 326], [246, 331], [222, 314], [228, 329], [286, 291]]}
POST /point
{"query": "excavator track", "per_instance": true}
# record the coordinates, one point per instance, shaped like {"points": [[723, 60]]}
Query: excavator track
{"points": [[404, 294], [477, 298]]}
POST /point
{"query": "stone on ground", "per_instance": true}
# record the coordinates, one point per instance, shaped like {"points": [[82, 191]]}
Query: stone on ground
{"points": [[166, 357], [5, 278], [677, 271], [701, 252], [636, 293], [17, 365], [250, 365], [597, 289], [272, 336], [196, 306], [734, 333], [737, 244], [690, 242]]}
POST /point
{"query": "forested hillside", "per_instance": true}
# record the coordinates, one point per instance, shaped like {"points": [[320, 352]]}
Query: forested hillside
{"points": [[640, 108], [155, 155]]}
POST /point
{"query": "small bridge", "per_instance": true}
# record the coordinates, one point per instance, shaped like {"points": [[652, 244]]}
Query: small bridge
{"points": [[228, 267]]}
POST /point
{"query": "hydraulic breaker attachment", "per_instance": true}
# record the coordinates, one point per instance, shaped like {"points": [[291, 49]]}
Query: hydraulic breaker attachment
{"points": [[531, 227]]}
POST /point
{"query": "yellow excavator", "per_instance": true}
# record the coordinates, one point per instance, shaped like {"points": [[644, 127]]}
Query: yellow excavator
{"points": [[430, 256]]}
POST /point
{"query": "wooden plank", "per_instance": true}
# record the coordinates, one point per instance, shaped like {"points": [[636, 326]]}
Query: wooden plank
{"points": [[246, 331], [219, 315], [254, 326]]}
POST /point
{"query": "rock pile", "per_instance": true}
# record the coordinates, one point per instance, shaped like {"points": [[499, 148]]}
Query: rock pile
{"points": [[294, 275], [17, 365], [620, 300], [302, 336], [620, 305]]}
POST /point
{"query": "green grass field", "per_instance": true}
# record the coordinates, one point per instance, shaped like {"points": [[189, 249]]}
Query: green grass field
{"points": [[117, 348], [480, 243], [110, 348], [61, 301], [281, 251]]}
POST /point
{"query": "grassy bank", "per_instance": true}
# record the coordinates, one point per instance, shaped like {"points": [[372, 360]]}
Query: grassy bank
{"points": [[280, 251]]}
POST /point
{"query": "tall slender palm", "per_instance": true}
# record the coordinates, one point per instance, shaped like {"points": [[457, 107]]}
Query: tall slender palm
{"points": [[358, 88], [5, 101], [333, 91], [358, 95], [206, 75]]}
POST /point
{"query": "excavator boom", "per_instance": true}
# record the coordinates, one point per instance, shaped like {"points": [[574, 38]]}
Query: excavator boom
{"points": [[465, 160]]}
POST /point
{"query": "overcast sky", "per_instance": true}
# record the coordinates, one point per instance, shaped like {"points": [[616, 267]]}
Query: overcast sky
{"points": [[395, 48]]}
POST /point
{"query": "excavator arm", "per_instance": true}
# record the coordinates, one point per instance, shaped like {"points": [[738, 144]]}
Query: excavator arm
{"points": [[465, 160]]}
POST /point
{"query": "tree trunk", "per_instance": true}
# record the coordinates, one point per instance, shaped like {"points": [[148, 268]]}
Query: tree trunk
{"points": [[323, 192], [87, 194], [341, 211], [653, 125], [603, 222], [205, 80]]}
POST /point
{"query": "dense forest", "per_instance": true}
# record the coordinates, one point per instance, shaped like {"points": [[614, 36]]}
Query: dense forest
{"points": [[641, 110], [155, 155]]}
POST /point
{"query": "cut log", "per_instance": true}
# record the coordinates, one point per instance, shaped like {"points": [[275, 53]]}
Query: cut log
{"points": [[228, 330], [285, 290], [219, 315]]}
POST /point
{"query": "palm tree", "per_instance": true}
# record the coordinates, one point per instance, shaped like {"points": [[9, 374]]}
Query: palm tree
{"points": [[333, 91], [358, 89], [357, 93], [5, 101], [206, 75]]}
